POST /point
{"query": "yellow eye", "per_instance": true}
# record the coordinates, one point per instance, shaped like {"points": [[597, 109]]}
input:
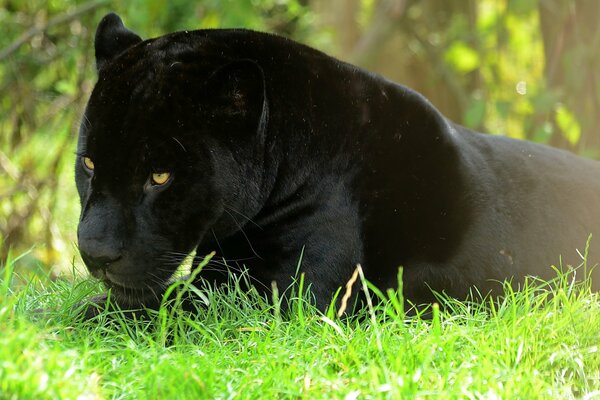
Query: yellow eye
{"points": [[160, 178], [89, 164]]}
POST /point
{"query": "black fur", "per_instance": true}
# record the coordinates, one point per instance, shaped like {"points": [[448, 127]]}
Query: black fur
{"points": [[276, 149]]}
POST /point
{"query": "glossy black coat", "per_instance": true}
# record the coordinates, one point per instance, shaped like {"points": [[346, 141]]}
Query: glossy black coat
{"points": [[278, 150]]}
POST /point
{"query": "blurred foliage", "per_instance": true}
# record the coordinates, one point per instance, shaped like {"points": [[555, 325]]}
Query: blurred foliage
{"points": [[524, 68]]}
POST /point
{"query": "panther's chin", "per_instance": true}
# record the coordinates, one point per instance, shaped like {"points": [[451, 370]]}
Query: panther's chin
{"points": [[144, 295]]}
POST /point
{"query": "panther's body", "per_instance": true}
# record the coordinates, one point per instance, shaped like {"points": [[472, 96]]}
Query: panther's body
{"points": [[272, 150]]}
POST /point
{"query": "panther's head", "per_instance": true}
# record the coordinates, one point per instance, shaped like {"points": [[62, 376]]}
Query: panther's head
{"points": [[170, 137]]}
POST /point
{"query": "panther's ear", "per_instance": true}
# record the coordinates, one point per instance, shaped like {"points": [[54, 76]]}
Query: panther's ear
{"points": [[237, 93], [112, 38]]}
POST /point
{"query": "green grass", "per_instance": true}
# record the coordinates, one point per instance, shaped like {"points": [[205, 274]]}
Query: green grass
{"points": [[541, 342]]}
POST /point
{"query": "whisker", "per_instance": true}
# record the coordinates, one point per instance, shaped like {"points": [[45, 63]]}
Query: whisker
{"points": [[219, 265], [228, 269], [243, 233], [243, 215], [179, 143], [217, 241], [152, 291]]}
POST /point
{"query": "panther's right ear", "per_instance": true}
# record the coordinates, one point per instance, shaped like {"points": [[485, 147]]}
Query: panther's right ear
{"points": [[237, 95], [112, 38]]}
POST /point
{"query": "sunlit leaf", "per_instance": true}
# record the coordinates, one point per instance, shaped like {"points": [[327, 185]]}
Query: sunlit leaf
{"points": [[568, 124], [66, 87], [462, 57]]}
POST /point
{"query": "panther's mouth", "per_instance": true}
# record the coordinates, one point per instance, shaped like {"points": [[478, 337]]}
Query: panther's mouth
{"points": [[140, 293], [131, 287]]}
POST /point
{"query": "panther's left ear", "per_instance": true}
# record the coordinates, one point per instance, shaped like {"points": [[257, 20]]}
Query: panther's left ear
{"points": [[112, 38], [237, 93]]}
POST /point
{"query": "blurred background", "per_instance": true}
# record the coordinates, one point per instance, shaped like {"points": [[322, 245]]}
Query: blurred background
{"points": [[522, 68]]}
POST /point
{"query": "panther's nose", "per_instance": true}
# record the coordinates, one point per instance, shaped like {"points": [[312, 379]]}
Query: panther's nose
{"points": [[98, 255], [100, 234]]}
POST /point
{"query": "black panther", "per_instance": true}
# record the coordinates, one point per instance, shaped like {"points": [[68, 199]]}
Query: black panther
{"points": [[275, 155]]}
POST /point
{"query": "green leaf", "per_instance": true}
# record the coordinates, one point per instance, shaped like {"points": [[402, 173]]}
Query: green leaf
{"points": [[66, 87], [462, 57], [568, 124]]}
